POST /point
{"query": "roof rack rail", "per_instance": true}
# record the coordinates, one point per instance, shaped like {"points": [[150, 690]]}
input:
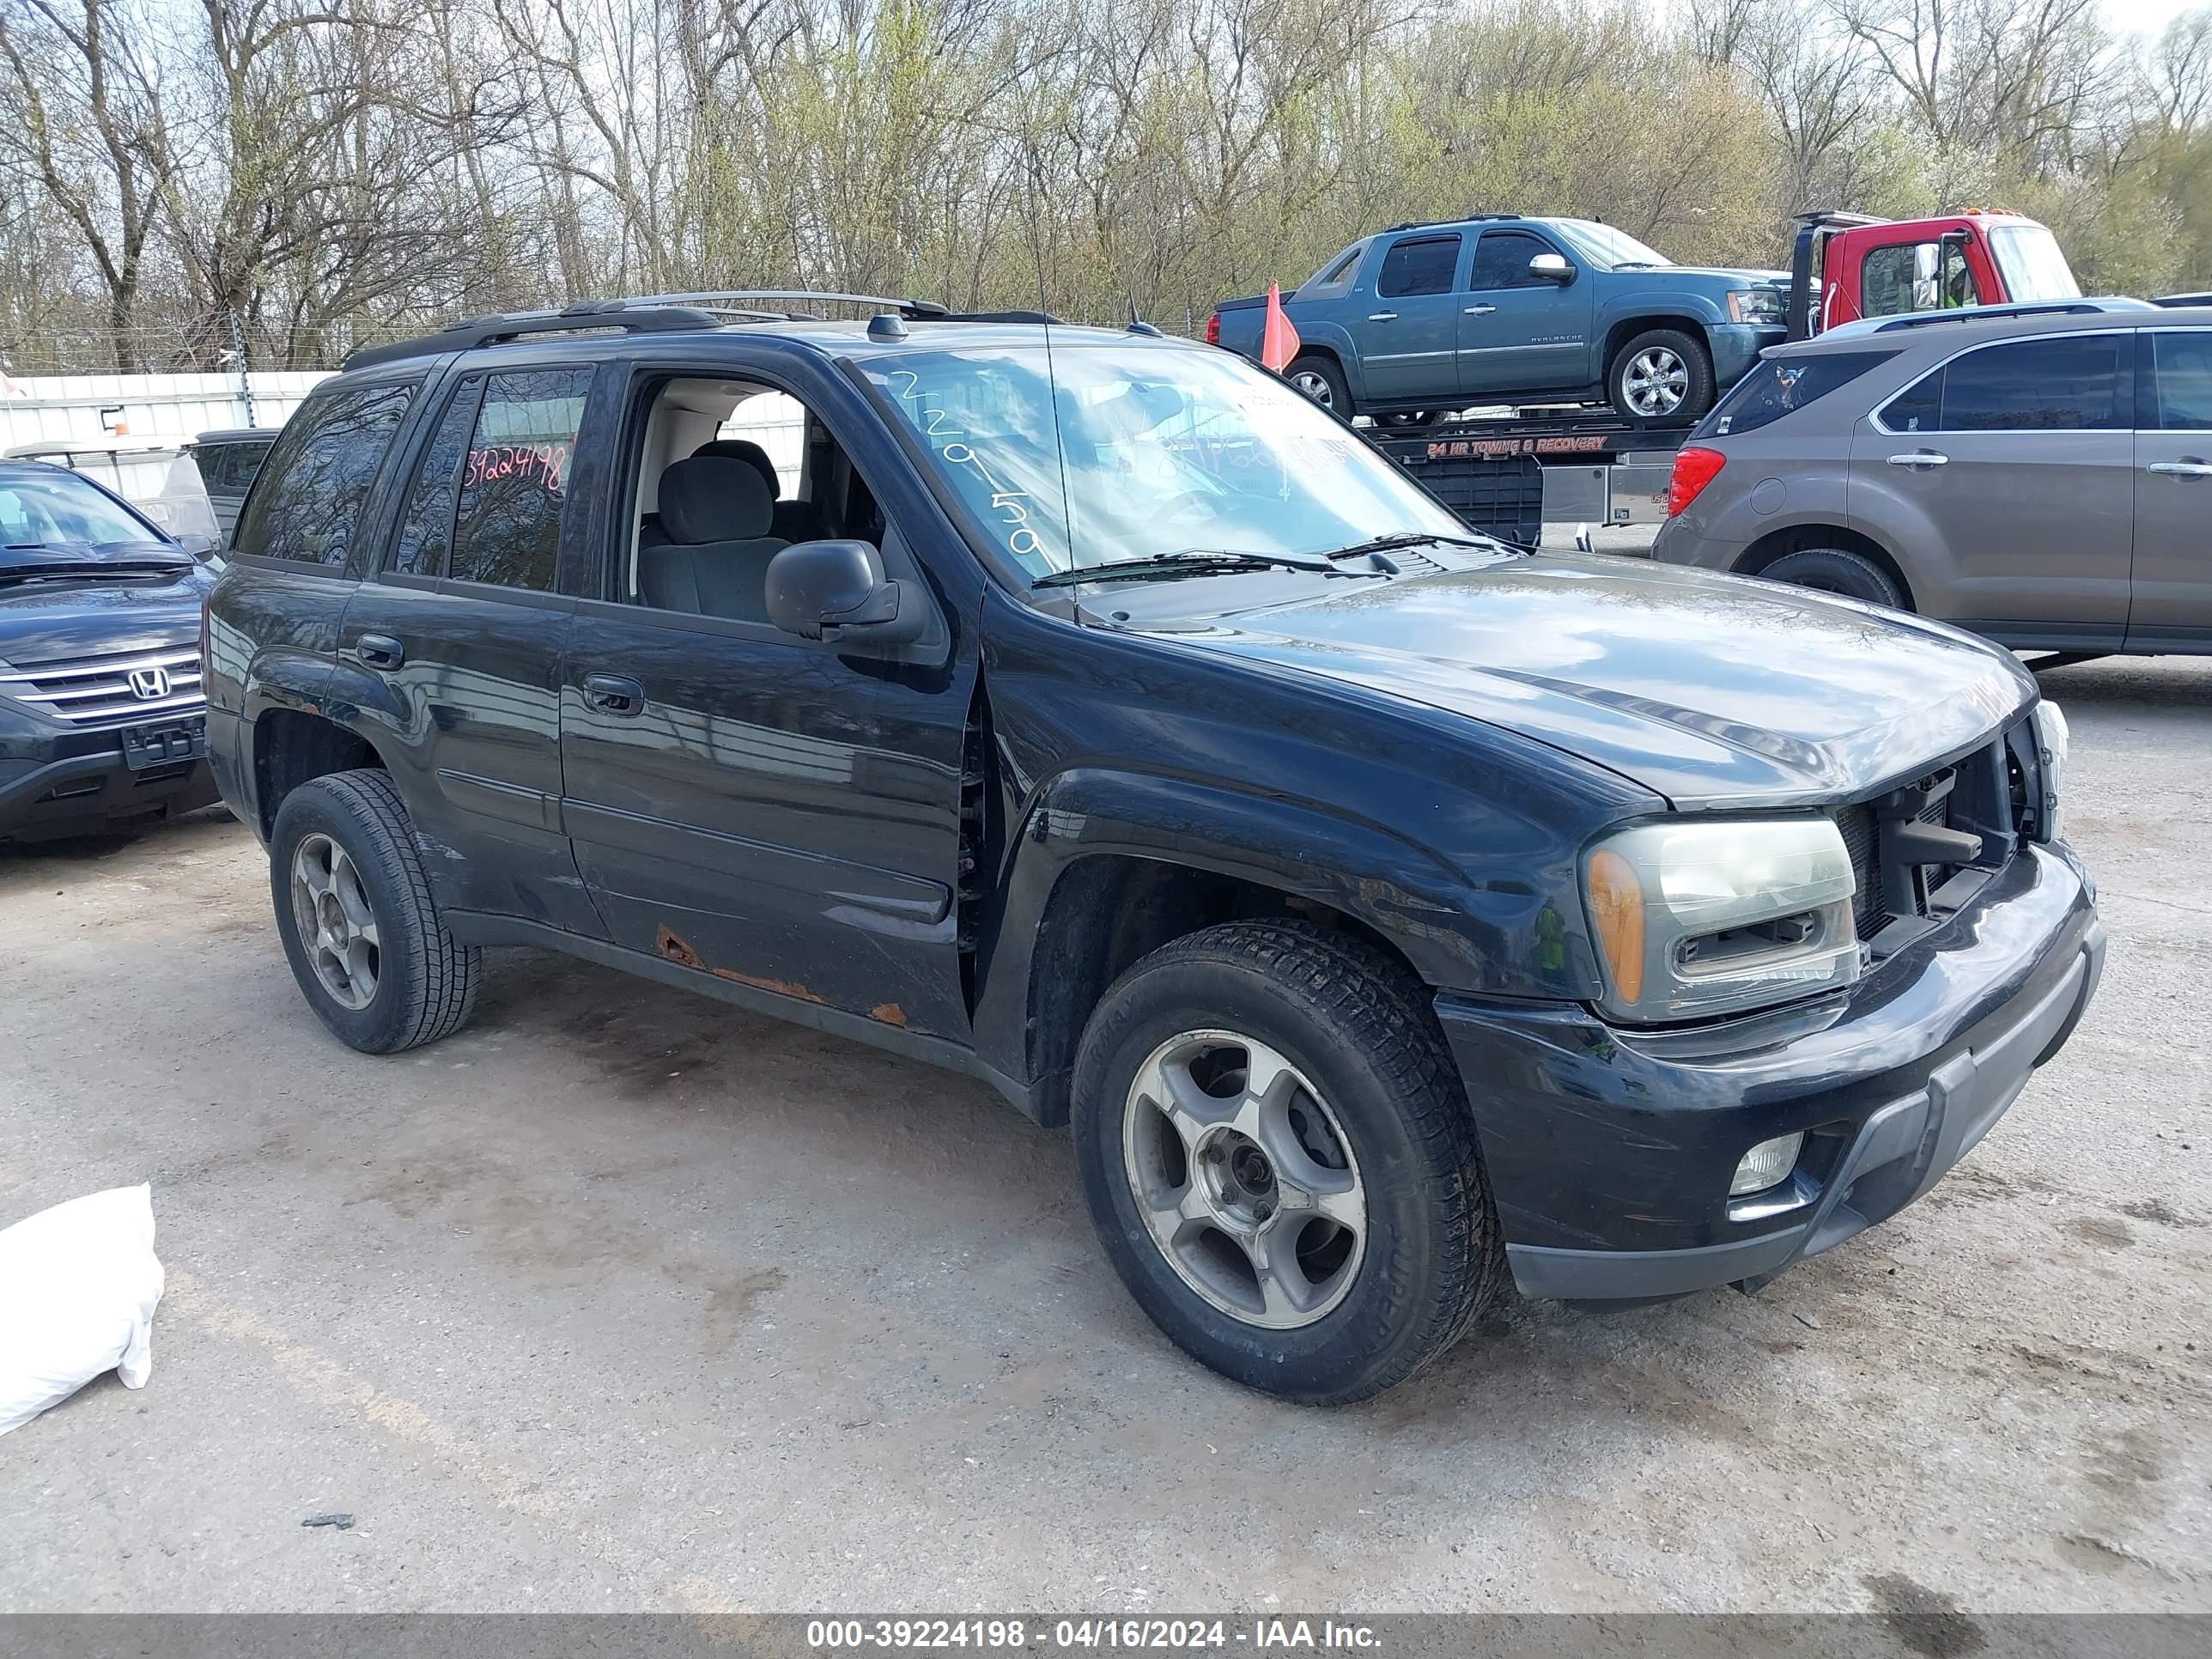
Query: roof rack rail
{"points": [[1464, 219], [919, 309], [1991, 314], [624, 314]]}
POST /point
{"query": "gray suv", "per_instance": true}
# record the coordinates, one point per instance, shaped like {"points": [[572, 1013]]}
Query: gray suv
{"points": [[2042, 475]]}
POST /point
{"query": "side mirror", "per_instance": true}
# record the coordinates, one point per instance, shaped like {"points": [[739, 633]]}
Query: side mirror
{"points": [[201, 547], [836, 591], [1553, 268]]}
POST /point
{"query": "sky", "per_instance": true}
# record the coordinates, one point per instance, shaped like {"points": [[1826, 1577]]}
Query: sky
{"points": [[2144, 17]]}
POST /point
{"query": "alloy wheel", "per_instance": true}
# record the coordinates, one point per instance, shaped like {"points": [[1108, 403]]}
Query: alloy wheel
{"points": [[1245, 1179], [1657, 381], [1316, 386], [336, 923]]}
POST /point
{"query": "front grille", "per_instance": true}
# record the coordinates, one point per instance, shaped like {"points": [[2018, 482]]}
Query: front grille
{"points": [[1857, 824], [1980, 794], [129, 685]]}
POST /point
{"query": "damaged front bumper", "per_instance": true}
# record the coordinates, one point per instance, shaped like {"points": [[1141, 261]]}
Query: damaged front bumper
{"points": [[1610, 1153]]}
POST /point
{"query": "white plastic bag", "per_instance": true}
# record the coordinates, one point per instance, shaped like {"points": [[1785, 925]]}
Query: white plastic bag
{"points": [[78, 1286]]}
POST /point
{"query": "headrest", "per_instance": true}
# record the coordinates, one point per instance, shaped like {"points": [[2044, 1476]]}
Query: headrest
{"points": [[715, 498], [744, 449]]}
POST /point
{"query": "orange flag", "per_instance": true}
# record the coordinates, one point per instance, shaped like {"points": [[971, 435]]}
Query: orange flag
{"points": [[1278, 341]]}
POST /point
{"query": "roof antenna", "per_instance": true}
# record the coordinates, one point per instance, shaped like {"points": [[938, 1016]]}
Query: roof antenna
{"points": [[1138, 325]]}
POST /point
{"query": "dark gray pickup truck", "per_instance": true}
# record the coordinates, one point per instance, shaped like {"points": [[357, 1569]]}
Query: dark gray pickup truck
{"points": [[1425, 318]]}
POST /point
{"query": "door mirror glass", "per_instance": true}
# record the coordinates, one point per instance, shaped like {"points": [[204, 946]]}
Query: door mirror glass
{"points": [[835, 590], [1553, 268]]}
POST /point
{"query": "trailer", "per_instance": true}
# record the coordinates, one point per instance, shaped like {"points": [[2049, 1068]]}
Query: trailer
{"points": [[1510, 472]]}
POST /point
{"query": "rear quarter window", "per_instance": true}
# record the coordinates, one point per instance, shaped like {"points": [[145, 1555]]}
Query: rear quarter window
{"points": [[1780, 386], [308, 504]]}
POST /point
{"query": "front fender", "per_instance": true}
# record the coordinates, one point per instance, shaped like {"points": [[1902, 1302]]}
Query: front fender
{"points": [[1647, 304], [1455, 933]]}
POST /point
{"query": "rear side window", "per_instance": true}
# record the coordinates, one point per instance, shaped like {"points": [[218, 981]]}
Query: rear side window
{"points": [[229, 467], [2059, 383], [308, 504], [514, 478], [2184, 379], [1779, 386], [1339, 273], [426, 532], [1420, 265]]}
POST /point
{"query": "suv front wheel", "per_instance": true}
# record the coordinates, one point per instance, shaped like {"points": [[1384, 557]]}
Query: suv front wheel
{"points": [[359, 925], [1279, 1160], [1661, 376]]}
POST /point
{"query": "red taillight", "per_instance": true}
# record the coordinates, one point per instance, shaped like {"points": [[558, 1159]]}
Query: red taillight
{"points": [[1694, 468], [1214, 329]]}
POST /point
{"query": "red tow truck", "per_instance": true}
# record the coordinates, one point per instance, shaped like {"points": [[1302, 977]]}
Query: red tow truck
{"points": [[1848, 265]]}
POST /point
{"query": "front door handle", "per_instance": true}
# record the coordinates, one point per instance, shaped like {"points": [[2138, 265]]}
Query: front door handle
{"points": [[2180, 468], [1920, 458], [1381, 316], [380, 651], [1481, 311], [617, 694]]}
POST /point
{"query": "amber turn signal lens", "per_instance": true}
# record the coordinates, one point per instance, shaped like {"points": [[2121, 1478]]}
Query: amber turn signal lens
{"points": [[1617, 907]]}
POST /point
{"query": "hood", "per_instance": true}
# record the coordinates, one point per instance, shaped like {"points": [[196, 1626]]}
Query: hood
{"points": [[50, 621], [1719, 273], [1714, 691]]}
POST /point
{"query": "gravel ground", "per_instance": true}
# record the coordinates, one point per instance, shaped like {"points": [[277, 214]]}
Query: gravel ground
{"points": [[624, 1299]]}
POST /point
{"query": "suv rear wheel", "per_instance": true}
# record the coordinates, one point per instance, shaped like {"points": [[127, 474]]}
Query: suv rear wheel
{"points": [[1661, 375], [1280, 1162], [1837, 570], [359, 926], [1318, 376]]}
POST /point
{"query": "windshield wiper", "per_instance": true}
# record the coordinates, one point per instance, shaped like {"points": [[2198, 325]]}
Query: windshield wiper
{"points": [[1406, 538], [1196, 562]]}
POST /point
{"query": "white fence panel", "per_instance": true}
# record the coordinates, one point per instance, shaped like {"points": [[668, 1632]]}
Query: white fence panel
{"points": [[100, 408]]}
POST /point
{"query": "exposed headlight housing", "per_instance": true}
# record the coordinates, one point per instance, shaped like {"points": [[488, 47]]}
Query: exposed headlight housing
{"points": [[1695, 917], [1755, 305], [2051, 738]]}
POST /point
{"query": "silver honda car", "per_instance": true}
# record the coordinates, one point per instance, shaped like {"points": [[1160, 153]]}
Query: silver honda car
{"points": [[2041, 475]]}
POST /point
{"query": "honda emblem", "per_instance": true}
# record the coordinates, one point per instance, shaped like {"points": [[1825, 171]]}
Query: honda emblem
{"points": [[149, 683]]}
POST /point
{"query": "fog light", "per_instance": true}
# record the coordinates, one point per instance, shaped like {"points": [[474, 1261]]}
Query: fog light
{"points": [[1767, 1164]]}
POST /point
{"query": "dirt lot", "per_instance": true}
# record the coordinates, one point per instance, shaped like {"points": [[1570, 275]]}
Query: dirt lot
{"points": [[624, 1299]]}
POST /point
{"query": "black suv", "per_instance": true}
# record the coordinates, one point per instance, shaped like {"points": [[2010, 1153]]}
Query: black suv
{"points": [[101, 725], [1388, 910]]}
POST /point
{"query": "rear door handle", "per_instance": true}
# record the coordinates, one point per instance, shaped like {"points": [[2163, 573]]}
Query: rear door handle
{"points": [[1481, 311], [1920, 458], [617, 694], [1381, 316], [2180, 468], [380, 651]]}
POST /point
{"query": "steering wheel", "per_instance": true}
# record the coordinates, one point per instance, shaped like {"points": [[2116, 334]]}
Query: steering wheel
{"points": [[1179, 508]]}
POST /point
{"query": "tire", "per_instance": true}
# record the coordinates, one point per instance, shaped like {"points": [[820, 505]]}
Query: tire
{"points": [[1837, 570], [1356, 1311], [1675, 366], [1318, 376], [1412, 419], [414, 983]]}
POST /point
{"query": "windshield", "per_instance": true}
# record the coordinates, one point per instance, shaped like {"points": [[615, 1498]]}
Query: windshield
{"points": [[1604, 247], [1090, 454], [52, 509], [2033, 264]]}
